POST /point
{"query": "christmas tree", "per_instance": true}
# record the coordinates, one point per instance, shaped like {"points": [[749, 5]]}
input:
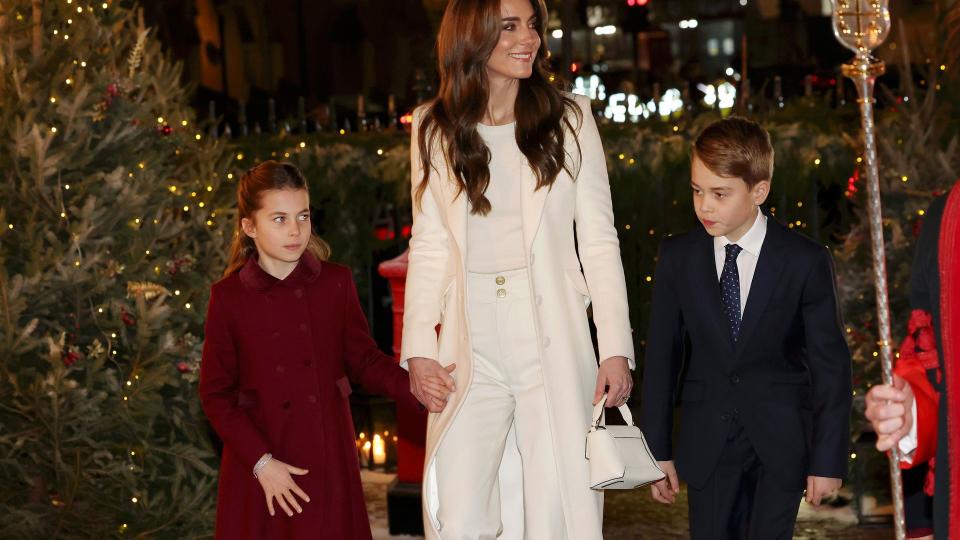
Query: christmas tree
{"points": [[114, 220]]}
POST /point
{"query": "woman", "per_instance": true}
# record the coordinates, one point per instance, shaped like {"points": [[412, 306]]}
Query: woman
{"points": [[505, 169]]}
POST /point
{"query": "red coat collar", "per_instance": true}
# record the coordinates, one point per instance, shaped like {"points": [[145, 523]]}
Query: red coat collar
{"points": [[255, 277]]}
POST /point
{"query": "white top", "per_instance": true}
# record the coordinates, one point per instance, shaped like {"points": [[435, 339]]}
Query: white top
{"points": [[751, 242], [495, 241]]}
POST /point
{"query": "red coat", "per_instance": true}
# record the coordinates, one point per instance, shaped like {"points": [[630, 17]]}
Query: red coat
{"points": [[278, 359]]}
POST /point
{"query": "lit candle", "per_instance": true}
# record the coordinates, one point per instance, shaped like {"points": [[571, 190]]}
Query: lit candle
{"points": [[379, 452], [365, 455]]}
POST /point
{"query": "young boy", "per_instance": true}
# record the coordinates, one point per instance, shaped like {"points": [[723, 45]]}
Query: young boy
{"points": [[752, 308]]}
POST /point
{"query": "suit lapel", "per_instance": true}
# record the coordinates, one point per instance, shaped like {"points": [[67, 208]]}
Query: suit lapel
{"points": [[532, 201], [705, 279], [765, 279]]}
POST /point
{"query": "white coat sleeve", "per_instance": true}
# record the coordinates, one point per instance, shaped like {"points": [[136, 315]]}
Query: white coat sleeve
{"points": [[599, 246], [427, 261]]}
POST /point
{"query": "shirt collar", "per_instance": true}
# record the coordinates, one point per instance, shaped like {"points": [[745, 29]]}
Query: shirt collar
{"points": [[307, 270], [752, 241]]}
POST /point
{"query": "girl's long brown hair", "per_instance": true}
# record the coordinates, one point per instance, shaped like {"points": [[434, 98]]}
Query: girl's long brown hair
{"points": [[469, 32], [267, 175]]}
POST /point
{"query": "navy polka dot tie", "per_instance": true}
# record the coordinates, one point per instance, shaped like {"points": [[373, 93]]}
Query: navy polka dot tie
{"points": [[730, 290]]}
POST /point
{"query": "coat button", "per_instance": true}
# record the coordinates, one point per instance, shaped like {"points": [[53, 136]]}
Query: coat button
{"points": [[501, 293], [735, 379], [285, 404], [281, 369], [312, 398], [501, 280], [298, 293]]}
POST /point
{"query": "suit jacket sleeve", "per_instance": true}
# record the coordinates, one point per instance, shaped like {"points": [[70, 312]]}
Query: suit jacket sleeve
{"points": [[366, 363], [219, 376], [599, 246], [829, 363], [661, 366], [427, 263]]}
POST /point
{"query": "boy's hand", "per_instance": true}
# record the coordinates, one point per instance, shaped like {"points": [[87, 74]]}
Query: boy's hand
{"points": [[819, 487], [665, 491], [431, 383], [890, 410], [615, 373], [277, 484]]}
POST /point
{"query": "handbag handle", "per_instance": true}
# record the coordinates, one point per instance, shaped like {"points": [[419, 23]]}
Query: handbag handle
{"points": [[599, 413]]}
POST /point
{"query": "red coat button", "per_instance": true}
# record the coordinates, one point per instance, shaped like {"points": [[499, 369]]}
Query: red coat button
{"points": [[312, 398], [298, 293]]}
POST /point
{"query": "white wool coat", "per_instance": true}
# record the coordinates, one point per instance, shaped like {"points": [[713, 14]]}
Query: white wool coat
{"points": [[435, 294]]}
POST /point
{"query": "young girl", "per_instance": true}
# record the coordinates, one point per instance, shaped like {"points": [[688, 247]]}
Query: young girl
{"points": [[285, 335]]}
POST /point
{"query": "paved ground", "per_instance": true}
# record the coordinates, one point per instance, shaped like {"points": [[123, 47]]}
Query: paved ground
{"points": [[631, 515]]}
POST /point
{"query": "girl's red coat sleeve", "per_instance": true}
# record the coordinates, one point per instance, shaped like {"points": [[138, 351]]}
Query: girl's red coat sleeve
{"points": [[366, 364], [219, 393]]}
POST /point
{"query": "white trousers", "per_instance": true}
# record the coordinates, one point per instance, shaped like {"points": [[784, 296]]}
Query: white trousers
{"points": [[507, 391]]}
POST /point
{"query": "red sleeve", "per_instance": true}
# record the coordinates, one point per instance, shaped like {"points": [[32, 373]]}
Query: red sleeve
{"points": [[918, 355], [912, 370], [366, 363], [219, 388]]}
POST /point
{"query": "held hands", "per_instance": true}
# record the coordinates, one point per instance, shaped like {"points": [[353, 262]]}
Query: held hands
{"points": [[431, 383], [277, 484], [615, 373], [665, 491], [889, 409], [819, 487]]}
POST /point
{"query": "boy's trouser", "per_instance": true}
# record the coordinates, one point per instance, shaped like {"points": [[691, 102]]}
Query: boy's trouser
{"points": [[741, 500], [507, 389]]}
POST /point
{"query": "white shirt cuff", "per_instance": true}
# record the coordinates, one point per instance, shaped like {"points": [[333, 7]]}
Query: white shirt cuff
{"points": [[908, 443]]}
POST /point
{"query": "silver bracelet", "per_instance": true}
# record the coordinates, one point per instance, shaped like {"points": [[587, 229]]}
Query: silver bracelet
{"points": [[261, 464]]}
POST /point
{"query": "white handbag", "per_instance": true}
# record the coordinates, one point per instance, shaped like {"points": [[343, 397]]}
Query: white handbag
{"points": [[618, 455]]}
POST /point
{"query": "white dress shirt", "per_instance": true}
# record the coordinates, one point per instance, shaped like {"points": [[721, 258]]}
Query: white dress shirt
{"points": [[751, 242]]}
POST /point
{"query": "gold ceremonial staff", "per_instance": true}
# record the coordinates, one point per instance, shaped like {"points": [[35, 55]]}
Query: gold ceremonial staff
{"points": [[861, 26]]}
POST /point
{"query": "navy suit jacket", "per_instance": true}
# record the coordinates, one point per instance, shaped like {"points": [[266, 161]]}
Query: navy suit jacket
{"points": [[786, 379]]}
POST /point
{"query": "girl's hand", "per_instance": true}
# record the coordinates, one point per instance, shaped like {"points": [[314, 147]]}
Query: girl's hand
{"points": [[430, 382], [615, 373], [277, 484]]}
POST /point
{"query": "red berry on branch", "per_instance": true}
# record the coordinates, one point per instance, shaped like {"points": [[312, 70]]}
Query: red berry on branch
{"points": [[70, 358], [183, 367], [128, 319]]}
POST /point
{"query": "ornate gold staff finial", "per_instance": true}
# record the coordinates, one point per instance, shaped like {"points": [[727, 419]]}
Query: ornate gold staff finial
{"points": [[861, 26]]}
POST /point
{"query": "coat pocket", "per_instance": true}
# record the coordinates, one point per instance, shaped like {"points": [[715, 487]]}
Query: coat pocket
{"points": [[575, 278]]}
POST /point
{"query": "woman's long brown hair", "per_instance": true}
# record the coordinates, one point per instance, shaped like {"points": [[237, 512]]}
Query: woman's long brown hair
{"points": [[468, 35], [267, 175]]}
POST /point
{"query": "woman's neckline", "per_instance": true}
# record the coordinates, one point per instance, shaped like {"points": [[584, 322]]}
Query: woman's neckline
{"points": [[481, 125]]}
